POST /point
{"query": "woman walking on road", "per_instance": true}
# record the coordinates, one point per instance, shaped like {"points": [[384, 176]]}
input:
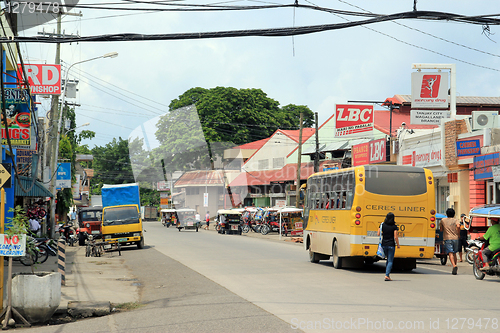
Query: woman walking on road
{"points": [[389, 242]]}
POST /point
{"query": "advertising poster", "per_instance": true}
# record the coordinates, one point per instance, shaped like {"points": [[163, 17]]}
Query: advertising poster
{"points": [[351, 120], [63, 176], [18, 118], [360, 154], [429, 90]]}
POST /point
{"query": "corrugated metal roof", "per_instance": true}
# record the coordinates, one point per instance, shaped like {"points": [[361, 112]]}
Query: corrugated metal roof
{"points": [[339, 145], [201, 177], [38, 190], [357, 142], [312, 149]]}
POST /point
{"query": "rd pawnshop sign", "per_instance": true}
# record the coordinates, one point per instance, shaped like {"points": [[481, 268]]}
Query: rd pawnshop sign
{"points": [[429, 90], [12, 247], [353, 119], [43, 79]]}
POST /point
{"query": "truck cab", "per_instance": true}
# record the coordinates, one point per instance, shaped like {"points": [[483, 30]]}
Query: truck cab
{"points": [[122, 224], [89, 223]]}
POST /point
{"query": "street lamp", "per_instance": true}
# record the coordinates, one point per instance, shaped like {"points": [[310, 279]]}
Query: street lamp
{"points": [[73, 129], [55, 153]]}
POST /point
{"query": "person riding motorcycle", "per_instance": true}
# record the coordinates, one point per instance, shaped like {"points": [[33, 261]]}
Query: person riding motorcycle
{"points": [[492, 235]]}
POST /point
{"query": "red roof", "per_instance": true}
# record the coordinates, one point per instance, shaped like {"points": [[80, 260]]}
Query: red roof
{"points": [[382, 121], [253, 145], [294, 134], [201, 177]]}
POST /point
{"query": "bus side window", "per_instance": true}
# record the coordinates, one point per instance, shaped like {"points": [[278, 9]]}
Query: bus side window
{"points": [[344, 199], [350, 197]]}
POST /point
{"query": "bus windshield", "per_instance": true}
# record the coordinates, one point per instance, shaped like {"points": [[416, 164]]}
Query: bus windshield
{"points": [[120, 215]]}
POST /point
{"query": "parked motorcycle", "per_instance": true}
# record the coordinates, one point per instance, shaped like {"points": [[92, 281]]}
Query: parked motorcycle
{"points": [[494, 263]]}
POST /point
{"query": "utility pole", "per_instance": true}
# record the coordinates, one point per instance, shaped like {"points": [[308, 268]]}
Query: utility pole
{"points": [[299, 161], [316, 154], [53, 134]]}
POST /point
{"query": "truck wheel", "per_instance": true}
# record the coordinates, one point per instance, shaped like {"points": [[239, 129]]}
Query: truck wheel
{"points": [[140, 244]]}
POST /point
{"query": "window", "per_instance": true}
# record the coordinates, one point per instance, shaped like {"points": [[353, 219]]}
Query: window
{"points": [[396, 183], [263, 164], [278, 163]]}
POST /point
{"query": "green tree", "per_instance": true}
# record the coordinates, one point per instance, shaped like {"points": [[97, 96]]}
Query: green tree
{"points": [[190, 137], [112, 164]]}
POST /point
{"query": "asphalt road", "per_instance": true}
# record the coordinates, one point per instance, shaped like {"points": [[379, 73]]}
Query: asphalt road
{"points": [[205, 282], [277, 277]]}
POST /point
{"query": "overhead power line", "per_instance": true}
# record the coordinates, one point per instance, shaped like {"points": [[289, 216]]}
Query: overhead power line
{"points": [[272, 32]]}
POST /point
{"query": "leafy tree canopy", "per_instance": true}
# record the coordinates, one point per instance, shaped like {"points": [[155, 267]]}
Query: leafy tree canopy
{"points": [[222, 117]]}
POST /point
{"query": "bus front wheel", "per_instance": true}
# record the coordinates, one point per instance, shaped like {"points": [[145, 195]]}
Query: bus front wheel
{"points": [[337, 261]]}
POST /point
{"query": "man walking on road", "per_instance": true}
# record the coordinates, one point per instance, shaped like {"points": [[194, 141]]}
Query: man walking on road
{"points": [[450, 227]]}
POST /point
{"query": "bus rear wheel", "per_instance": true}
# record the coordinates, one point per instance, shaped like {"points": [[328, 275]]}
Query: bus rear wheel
{"points": [[313, 256], [337, 261]]}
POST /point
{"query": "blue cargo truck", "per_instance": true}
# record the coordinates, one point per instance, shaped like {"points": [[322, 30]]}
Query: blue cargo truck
{"points": [[121, 215]]}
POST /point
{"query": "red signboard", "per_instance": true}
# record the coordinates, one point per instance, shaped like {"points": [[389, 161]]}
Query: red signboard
{"points": [[43, 79], [377, 151], [369, 153], [353, 119], [360, 154]]}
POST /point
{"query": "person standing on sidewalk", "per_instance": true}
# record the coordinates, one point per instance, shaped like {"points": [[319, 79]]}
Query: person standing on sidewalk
{"points": [[462, 242], [197, 219], [207, 220], [389, 242], [450, 227]]}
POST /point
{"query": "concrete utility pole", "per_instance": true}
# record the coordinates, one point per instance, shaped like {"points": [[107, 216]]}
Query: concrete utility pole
{"points": [[316, 154], [53, 134], [299, 161]]}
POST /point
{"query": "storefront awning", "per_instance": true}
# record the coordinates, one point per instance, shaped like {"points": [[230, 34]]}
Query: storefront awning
{"points": [[487, 211], [312, 149], [37, 190]]}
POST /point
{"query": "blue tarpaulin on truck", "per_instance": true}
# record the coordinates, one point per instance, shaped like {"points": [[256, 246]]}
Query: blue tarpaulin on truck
{"points": [[117, 195]]}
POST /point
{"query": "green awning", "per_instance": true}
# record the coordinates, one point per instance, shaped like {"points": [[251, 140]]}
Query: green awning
{"points": [[38, 190]]}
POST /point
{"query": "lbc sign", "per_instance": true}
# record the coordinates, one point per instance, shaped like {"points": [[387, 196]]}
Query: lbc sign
{"points": [[43, 79], [353, 119]]}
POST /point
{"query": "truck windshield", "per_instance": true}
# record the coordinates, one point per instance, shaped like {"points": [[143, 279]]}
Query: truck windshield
{"points": [[120, 215]]}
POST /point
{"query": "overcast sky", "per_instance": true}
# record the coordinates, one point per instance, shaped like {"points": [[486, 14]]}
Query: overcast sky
{"points": [[317, 70]]}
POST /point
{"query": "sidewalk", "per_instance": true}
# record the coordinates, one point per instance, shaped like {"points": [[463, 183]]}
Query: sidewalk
{"points": [[88, 279]]}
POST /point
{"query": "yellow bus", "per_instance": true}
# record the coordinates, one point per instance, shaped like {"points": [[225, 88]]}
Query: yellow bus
{"points": [[344, 208]]}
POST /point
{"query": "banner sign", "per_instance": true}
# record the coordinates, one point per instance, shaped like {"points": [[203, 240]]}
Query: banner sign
{"points": [[162, 186], [495, 170], [422, 156], [353, 119], [63, 175], [12, 247], [427, 117], [360, 154], [18, 118], [468, 148], [369, 152], [43, 79], [23, 156], [483, 164], [429, 90]]}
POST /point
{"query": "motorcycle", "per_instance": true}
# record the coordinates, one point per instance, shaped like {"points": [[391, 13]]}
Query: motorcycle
{"points": [[494, 263], [68, 232], [473, 246]]}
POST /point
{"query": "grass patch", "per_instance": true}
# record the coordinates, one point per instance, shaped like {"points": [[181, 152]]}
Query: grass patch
{"points": [[127, 306]]}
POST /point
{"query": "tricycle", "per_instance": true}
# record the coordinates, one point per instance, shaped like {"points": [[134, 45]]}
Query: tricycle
{"points": [[229, 221], [186, 219]]}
